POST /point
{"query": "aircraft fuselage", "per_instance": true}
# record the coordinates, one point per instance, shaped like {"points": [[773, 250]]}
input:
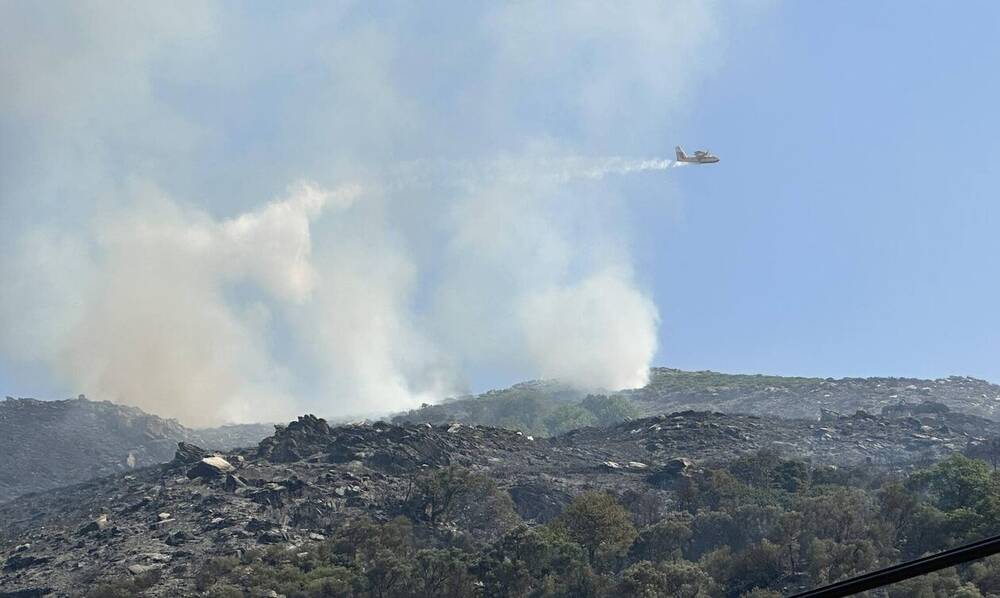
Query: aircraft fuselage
{"points": [[699, 157]]}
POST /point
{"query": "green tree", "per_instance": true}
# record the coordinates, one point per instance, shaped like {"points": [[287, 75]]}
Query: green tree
{"points": [[689, 496], [964, 503], [125, 587], [661, 541], [711, 529], [646, 507], [597, 522], [388, 573], [443, 574], [957, 482], [473, 502], [828, 560], [681, 579], [362, 538], [330, 582], [792, 476], [524, 410], [757, 566], [718, 564], [940, 584], [756, 522], [608, 411], [526, 562], [838, 513], [896, 504], [213, 569], [720, 490], [757, 469], [568, 417], [985, 574], [787, 533]]}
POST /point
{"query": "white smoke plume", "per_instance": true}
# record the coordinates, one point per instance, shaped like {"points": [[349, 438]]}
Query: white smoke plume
{"points": [[150, 322], [152, 318], [599, 332], [537, 170], [138, 265]]}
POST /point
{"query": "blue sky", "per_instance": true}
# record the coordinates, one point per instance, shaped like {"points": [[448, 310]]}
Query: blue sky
{"points": [[851, 227], [161, 165]]}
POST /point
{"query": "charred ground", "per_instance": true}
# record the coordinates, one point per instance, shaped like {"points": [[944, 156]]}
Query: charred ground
{"points": [[47, 444], [306, 484]]}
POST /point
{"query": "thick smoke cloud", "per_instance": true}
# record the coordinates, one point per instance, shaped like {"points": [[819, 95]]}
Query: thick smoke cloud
{"points": [[158, 249], [599, 332], [149, 321]]}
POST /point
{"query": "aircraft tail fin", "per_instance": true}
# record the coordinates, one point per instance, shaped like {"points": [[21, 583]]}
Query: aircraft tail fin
{"points": [[680, 153]]}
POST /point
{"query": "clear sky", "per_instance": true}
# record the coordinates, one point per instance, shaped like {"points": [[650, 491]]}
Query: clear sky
{"points": [[178, 221], [852, 226]]}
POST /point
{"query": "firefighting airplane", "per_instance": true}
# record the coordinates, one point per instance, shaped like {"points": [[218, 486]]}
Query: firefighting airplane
{"points": [[699, 157]]}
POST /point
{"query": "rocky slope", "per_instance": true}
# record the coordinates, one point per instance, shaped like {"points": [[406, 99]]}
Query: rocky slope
{"points": [[677, 390], [46, 444], [805, 397], [309, 478]]}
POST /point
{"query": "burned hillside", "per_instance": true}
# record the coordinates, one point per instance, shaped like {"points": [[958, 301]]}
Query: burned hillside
{"points": [[47, 444], [308, 480]]}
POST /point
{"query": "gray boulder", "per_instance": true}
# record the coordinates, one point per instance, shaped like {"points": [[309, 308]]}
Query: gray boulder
{"points": [[210, 467]]}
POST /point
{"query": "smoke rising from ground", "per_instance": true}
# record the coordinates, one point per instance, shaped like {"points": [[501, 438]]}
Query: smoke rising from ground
{"points": [[153, 252], [151, 323], [176, 307]]}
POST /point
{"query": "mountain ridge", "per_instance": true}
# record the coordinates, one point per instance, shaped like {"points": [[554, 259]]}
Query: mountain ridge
{"points": [[48, 444], [753, 394]]}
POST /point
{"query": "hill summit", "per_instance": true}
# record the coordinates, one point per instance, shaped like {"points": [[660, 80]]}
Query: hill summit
{"points": [[550, 407]]}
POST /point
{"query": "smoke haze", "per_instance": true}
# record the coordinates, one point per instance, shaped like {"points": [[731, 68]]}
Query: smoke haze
{"points": [[222, 216]]}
